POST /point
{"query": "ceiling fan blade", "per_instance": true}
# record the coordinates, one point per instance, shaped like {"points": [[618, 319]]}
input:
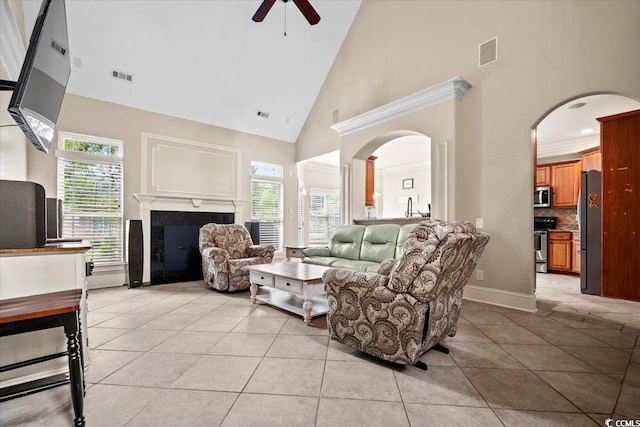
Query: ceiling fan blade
{"points": [[308, 11], [263, 10]]}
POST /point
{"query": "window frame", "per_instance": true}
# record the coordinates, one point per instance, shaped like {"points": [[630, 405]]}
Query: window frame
{"points": [[326, 192], [271, 179]]}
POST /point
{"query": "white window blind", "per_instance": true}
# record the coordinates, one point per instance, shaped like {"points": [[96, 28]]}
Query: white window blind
{"points": [[266, 202], [324, 215], [301, 210], [90, 186]]}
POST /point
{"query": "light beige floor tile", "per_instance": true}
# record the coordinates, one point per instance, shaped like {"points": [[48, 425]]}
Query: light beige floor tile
{"points": [[612, 337], [137, 340], [294, 377], [243, 345], [295, 325], [115, 405], [237, 310], [120, 307], [260, 410], [607, 360], [190, 342], [531, 319], [482, 355], [359, 380], [299, 347], [441, 385], [218, 373], [467, 333], [437, 358], [32, 409], [191, 408], [546, 358], [257, 325], [171, 322], [435, 415], [192, 308], [212, 298], [628, 402], [339, 351], [512, 418], [590, 392], [153, 370], [95, 318], [99, 336], [181, 297], [505, 334], [600, 419], [159, 307], [516, 389], [106, 362], [567, 336], [345, 412], [487, 318], [262, 310], [240, 298], [632, 376], [211, 323], [128, 321]]}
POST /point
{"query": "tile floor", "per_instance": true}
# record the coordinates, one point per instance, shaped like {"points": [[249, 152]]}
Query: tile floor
{"points": [[185, 355]]}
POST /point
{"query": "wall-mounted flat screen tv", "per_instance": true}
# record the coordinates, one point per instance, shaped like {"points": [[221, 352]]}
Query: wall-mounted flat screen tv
{"points": [[38, 93]]}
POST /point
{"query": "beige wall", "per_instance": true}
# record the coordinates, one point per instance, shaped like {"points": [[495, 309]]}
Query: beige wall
{"points": [[97, 118], [548, 52]]}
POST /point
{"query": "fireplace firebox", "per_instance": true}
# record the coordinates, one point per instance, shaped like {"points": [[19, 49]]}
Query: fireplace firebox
{"points": [[174, 244]]}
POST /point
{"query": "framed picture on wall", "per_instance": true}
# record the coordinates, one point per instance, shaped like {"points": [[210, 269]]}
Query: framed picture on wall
{"points": [[407, 184]]}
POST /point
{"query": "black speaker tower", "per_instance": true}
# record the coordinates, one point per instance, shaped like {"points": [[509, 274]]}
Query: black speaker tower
{"points": [[135, 253]]}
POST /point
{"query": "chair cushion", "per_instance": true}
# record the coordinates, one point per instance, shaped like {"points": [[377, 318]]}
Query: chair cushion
{"points": [[327, 261], [357, 265], [236, 266], [402, 237], [346, 240], [234, 238], [379, 242]]}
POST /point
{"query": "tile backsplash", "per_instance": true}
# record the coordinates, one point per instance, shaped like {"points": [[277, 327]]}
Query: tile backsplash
{"points": [[566, 217]]}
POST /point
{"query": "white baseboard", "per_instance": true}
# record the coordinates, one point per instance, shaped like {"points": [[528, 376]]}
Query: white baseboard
{"points": [[106, 279], [515, 300]]}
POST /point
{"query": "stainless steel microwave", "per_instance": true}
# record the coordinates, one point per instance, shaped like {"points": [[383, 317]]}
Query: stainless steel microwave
{"points": [[542, 197]]}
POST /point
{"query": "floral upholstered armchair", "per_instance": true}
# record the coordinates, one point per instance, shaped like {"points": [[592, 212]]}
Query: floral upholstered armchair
{"points": [[413, 302], [226, 249]]}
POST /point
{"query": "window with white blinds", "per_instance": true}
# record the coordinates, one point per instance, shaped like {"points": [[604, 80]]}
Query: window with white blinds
{"points": [[90, 186], [266, 202], [301, 200], [324, 215]]}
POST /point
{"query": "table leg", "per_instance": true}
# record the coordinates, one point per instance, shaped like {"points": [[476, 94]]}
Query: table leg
{"points": [[307, 306], [253, 288], [71, 330]]}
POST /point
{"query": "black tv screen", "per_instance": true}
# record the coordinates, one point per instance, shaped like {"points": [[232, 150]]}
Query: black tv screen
{"points": [[38, 93]]}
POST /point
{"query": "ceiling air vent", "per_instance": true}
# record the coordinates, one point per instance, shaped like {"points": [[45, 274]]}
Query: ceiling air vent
{"points": [[488, 52], [263, 114], [121, 76], [58, 48]]}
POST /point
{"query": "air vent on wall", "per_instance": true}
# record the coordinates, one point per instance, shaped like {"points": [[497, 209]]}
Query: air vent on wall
{"points": [[488, 52], [335, 117], [122, 76], [263, 114]]}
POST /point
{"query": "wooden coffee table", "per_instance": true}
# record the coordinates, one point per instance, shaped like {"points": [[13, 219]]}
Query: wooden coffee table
{"points": [[292, 286]]}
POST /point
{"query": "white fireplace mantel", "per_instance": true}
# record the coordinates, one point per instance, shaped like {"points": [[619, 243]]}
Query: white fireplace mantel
{"points": [[156, 202]]}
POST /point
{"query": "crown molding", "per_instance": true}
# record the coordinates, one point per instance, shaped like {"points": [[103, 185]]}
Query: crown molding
{"points": [[409, 167], [454, 88], [567, 146], [12, 51], [321, 167]]}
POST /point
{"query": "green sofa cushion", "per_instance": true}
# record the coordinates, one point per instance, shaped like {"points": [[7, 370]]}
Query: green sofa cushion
{"points": [[316, 251], [326, 261], [402, 237], [346, 241], [357, 265], [379, 242]]}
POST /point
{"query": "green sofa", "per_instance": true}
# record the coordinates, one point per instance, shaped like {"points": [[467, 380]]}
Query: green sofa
{"points": [[360, 247]]}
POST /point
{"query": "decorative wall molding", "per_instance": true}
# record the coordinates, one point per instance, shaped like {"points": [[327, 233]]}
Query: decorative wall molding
{"points": [[454, 88], [409, 167], [188, 169], [502, 298], [12, 50], [567, 146], [322, 167]]}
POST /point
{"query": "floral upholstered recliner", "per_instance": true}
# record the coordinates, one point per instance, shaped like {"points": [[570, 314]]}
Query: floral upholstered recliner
{"points": [[226, 249], [413, 302]]}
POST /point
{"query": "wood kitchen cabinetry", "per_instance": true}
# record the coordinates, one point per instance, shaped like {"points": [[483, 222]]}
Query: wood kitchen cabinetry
{"points": [[560, 251], [369, 181], [565, 184], [543, 176], [575, 262], [592, 159]]}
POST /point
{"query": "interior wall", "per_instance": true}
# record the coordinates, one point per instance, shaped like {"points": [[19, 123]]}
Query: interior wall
{"points": [[547, 52], [13, 143]]}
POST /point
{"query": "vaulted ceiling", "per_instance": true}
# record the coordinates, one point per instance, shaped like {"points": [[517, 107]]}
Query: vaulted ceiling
{"points": [[205, 60]]}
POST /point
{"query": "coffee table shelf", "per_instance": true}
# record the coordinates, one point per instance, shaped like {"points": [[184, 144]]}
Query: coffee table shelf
{"points": [[290, 302]]}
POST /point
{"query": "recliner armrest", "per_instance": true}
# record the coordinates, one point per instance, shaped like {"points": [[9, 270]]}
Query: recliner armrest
{"points": [[215, 253], [316, 251], [261, 251], [345, 277]]}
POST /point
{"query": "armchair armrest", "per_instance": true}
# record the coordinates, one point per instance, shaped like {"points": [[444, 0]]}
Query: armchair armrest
{"points": [[218, 255], [386, 266], [316, 251], [265, 252], [336, 278]]}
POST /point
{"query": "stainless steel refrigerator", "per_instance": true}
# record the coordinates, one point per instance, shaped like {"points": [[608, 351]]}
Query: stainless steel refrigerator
{"points": [[589, 223]]}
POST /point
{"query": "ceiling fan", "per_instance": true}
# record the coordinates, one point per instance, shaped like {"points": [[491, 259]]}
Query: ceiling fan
{"points": [[305, 7]]}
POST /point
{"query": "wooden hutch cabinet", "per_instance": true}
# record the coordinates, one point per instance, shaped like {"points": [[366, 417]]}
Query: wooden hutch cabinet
{"points": [[369, 181], [565, 183]]}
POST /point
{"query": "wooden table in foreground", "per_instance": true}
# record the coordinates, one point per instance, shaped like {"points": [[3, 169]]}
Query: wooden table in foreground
{"points": [[292, 286]]}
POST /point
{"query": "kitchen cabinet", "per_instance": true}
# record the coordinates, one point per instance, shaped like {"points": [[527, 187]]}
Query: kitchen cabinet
{"points": [[560, 251], [369, 181], [565, 184], [592, 159], [543, 176], [575, 262]]}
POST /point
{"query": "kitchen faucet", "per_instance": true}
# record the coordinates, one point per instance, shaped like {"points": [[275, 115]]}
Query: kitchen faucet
{"points": [[409, 212]]}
